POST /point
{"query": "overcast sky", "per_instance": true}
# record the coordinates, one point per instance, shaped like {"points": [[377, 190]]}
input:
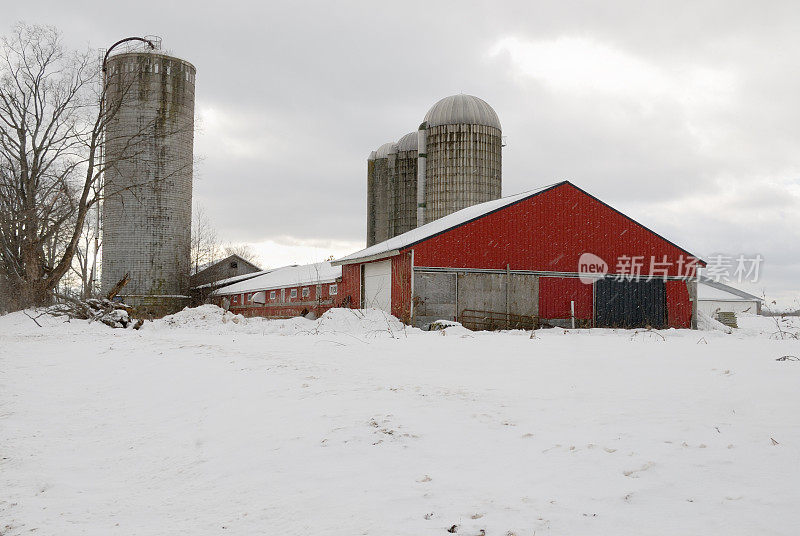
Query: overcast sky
{"points": [[683, 115]]}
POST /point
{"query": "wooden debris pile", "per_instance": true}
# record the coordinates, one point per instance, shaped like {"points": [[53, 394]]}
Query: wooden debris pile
{"points": [[111, 313]]}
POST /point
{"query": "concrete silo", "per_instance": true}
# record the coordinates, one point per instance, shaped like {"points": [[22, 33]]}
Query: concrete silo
{"points": [[404, 193], [460, 157], [147, 211], [383, 178]]}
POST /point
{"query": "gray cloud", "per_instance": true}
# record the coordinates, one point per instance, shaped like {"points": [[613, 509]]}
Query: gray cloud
{"points": [[685, 116]]}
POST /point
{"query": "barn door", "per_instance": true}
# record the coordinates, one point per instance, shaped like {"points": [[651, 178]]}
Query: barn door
{"points": [[378, 285], [630, 304]]}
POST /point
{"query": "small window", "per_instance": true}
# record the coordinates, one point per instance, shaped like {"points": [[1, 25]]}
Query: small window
{"points": [[235, 298], [155, 68], [248, 298], [234, 264], [306, 292], [332, 290], [293, 294], [272, 295]]}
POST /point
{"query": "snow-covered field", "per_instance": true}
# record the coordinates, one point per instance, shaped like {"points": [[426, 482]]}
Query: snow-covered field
{"points": [[353, 425]]}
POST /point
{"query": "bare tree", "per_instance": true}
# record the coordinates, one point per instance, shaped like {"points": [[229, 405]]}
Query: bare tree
{"points": [[245, 251], [52, 121], [84, 278], [205, 245]]}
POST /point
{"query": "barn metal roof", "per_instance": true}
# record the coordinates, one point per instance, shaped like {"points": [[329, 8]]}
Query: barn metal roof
{"points": [[462, 109], [408, 142], [287, 276]]}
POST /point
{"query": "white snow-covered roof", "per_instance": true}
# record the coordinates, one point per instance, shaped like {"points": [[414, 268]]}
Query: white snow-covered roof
{"points": [[234, 279], [458, 109], [287, 276], [438, 226], [708, 293]]}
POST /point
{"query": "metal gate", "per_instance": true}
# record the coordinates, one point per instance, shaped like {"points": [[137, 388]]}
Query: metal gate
{"points": [[630, 304], [434, 297]]}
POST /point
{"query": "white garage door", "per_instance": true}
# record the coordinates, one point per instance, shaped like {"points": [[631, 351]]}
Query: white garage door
{"points": [[378, 285]]}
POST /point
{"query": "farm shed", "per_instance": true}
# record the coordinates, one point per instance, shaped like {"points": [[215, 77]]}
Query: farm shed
{"points": [[714, 297], [226, 268], [556, 255], [284, 292]]}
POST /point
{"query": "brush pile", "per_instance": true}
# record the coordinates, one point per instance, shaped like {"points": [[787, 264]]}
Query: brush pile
{"points": [[111, 313]]}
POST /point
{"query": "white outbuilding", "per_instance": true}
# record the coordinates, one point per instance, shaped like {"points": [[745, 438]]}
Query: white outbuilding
{"points": [[714, 297]]}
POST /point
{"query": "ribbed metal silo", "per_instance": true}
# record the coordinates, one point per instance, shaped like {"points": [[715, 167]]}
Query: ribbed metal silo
{"points": [[404, 193], [147, 212], [384, 170], [463, 146]]}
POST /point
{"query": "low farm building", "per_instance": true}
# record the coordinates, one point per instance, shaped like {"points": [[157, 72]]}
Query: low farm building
{"points": [[284, 292], [555, 255], [715, 297], [230, 266]]}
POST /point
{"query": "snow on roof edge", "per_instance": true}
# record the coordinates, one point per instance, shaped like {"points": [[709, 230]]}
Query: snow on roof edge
{"points": [[286, 276]]}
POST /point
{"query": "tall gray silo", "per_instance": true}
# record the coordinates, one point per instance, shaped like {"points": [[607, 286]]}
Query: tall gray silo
{"points": [[460, 156], [404, 193], [383, 179], [147, 212]]}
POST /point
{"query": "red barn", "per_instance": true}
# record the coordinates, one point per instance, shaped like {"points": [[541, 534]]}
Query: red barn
{"points": [[557, 254]]}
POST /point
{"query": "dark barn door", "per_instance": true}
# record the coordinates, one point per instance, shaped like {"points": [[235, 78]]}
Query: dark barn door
{"points": [[630, 304]]}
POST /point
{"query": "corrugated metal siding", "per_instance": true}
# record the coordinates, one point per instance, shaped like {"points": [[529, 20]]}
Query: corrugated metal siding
{"points": [[351, 285], [547, 232], [556, 293], [679, 306], [630, 304]]}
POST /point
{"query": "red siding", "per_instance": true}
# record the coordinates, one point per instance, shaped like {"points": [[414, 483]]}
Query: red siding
{"points": [[351, 285], [679, 306], [556, 293], [547, 232], [288, 307], [401, 286]]}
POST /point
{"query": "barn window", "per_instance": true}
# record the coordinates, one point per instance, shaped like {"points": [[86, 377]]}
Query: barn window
{"points": [[293, 294], [306, 292], [332, 290], [234, 264], [235, 299], [272, 295], [248, 298]]}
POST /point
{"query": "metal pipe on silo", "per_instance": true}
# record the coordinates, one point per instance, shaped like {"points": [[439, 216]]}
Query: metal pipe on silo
{"points": [[422, 160], [371, 199]]}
